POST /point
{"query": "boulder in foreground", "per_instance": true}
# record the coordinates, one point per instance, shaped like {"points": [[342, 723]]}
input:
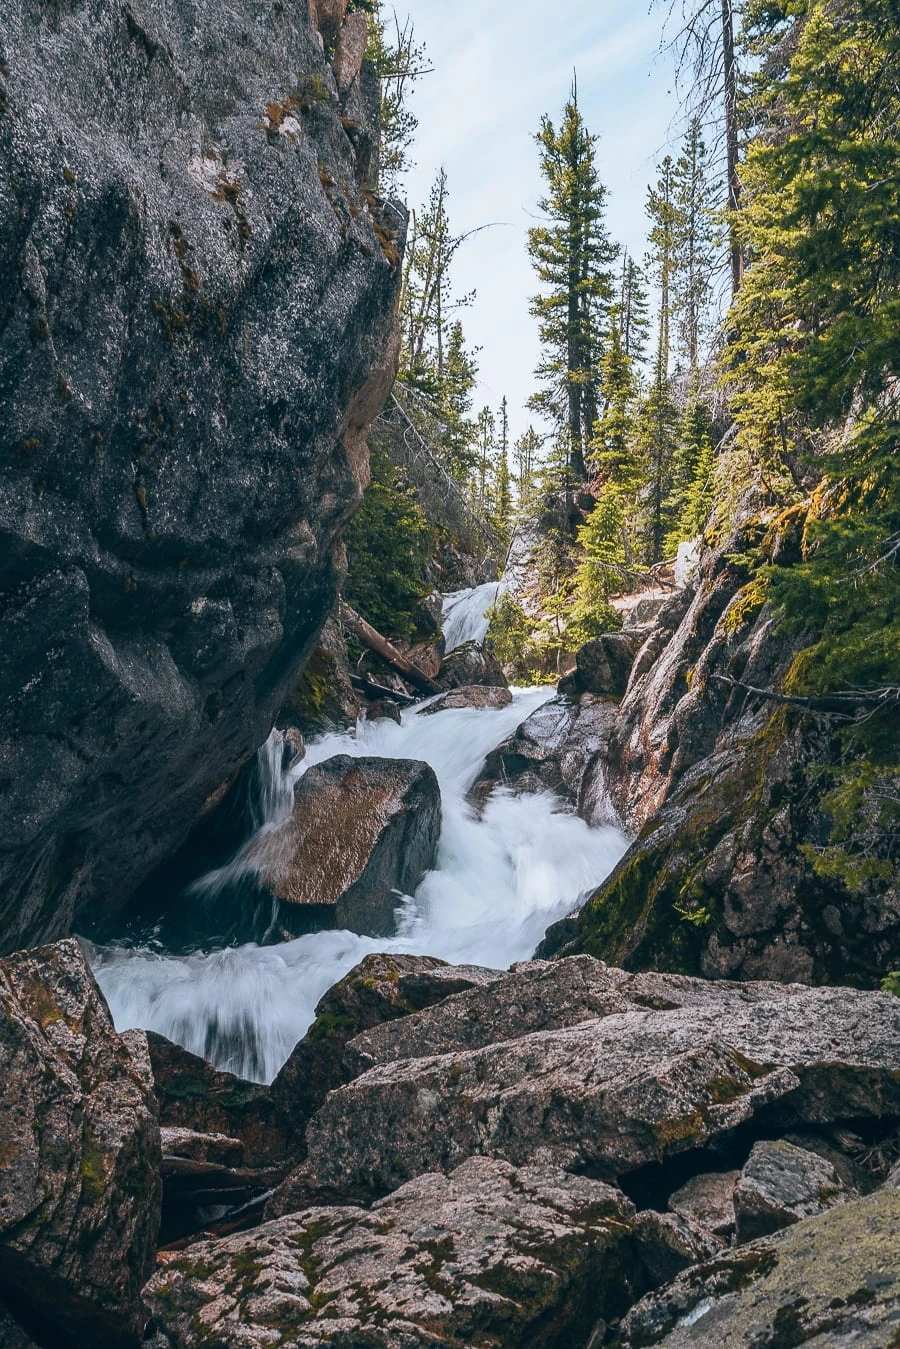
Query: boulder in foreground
{"points": [[488, 1255], [669, 1064], [364, 831], [79, 1157]]}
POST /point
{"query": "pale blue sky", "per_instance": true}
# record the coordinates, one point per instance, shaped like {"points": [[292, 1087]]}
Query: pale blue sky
{"points": [[498, 67]]}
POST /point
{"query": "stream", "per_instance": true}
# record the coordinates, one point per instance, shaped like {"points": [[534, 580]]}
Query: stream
{"points": [[501, 878]]}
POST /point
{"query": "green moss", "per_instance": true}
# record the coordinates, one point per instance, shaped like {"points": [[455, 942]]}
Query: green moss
{"points": [[93, 1171]]}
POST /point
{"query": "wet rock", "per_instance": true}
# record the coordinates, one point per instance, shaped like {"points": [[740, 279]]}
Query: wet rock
{"points": [[200, 1099], [603, 665], [556, 749], [831, 1280], [529, 759], [470, 664], [707, 1201], [428, 614], [79, 1157], [364, 831], [487, 1255], [671, 1065], [779, 1185], [12, 1335], [379, 989], [469, 695], [427, 656], [199, 327], [383, 709]]}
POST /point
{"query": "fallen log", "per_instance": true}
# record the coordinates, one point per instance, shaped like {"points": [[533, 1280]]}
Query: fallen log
{"points": [[371, 638], [370, 689]]}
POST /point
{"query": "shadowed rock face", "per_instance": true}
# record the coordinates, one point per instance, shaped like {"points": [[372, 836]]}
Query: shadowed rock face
{"points": [[196, 328], [79, 1157]]}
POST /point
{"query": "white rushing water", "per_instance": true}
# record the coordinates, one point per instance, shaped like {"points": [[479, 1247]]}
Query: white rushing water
{"points": [[500, 880], [464, 614]]}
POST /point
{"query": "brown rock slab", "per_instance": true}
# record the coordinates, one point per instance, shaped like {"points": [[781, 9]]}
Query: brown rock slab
{"points": [[350, 50], [470, 664], [489, 1255], [363, 832], [469, 695], [79, 1156]]}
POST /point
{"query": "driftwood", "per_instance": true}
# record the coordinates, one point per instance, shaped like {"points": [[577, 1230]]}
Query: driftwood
{"points": [[365, 633], [372, 690]]}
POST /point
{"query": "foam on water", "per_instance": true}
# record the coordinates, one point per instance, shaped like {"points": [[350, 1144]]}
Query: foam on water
{"points": [[500, 880]]}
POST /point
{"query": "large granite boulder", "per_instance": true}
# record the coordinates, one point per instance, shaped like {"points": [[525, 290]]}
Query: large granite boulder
{"points": [[380, 989], [489, 1255], [79, 1157], [363, 832], [198, 292], [666, 1066], [480, 696], [832, 1281], [781, 1184]]}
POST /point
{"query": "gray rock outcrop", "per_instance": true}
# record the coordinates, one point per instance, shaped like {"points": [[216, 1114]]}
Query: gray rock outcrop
{"points": [[489, 1255], [79, 1157], [832, 1281], [196, 328], [363, 832], [779, 1185], [668, 1064]]}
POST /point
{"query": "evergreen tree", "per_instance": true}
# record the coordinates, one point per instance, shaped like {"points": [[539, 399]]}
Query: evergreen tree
{"points": [[486, 451], [526, 455], [502, 482], [633, 313], [571, 254], [693, 468], [693, 246]]}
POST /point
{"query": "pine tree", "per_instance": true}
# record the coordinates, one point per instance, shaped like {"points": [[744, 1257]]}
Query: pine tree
{"points": [[526, 454], [693, 467], [485, 451], [502, 482], [571, 254], [633, 313], [693, 246]]}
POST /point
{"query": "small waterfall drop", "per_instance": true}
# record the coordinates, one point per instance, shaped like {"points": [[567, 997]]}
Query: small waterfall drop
{"points": [[501, 878], [464, 614]]}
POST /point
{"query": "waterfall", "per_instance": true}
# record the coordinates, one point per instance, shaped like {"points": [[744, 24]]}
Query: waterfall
{"points": [[501, 878], [464, 611]]}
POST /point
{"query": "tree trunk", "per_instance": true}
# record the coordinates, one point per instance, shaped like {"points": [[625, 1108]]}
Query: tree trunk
{"points": [[371, 638], [731, 142]]}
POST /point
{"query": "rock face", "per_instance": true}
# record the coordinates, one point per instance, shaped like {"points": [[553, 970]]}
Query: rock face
{"points": [[363, 832], [380, 989], [488, 1255], [197, 299], [79, 1157], [831, 1281], [643, 1069], [722, 786], [779, 1185]]}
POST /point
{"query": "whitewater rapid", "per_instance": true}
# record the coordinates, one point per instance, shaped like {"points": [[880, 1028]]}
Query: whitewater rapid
{"points": [[464, 613], [501, 878]]}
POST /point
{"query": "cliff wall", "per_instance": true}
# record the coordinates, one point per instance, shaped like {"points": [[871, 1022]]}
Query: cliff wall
{"points": [[197, 299]]}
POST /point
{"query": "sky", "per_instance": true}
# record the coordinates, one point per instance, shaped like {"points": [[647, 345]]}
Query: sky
{"points": [[498, 66]]}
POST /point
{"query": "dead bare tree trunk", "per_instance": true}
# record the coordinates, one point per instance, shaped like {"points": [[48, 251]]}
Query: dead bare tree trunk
{"points": [[371, 638]]}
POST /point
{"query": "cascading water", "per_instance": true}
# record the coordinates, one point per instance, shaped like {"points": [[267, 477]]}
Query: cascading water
{"points": [[501, 879], [464, 614]]}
